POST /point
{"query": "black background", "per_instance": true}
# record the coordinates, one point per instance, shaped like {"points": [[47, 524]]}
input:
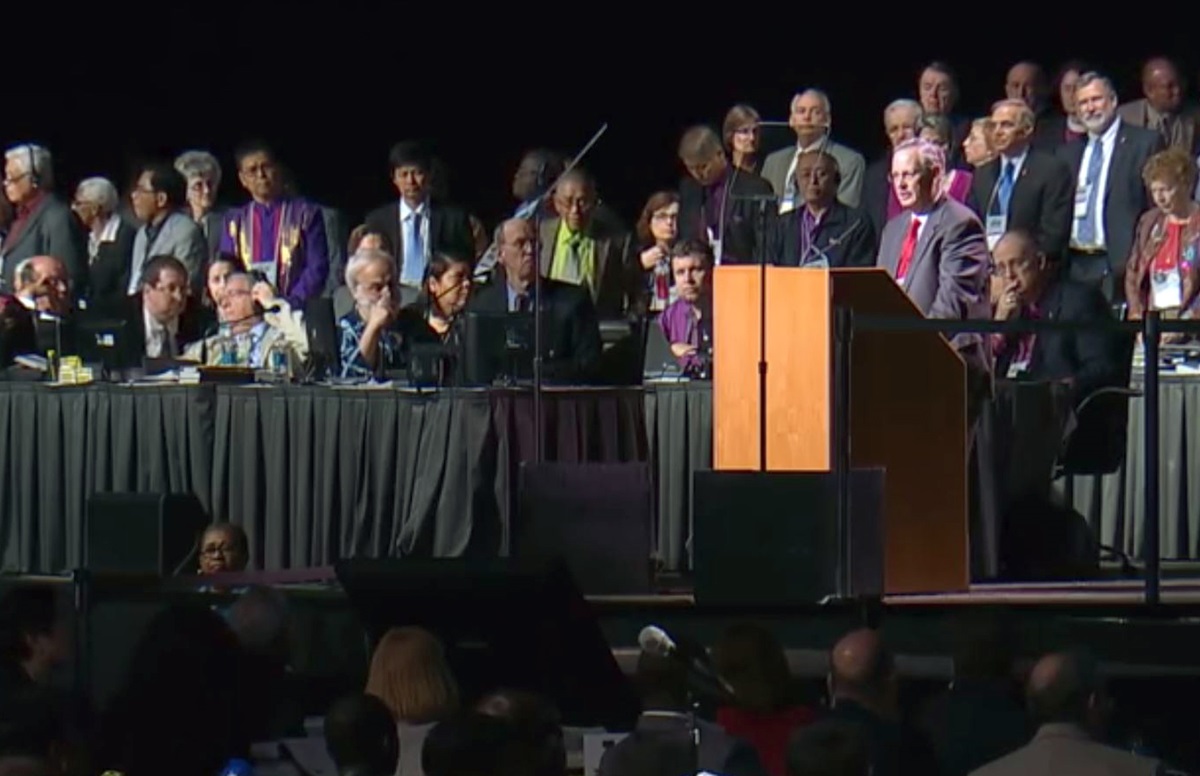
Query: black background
{"points": [[333, 85]]}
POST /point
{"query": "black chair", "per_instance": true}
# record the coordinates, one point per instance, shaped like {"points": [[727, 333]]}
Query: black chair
{"points": [[1094, 445]]}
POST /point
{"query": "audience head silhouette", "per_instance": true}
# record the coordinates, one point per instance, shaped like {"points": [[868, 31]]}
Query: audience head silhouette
{"points": [[1066, 687], [409, 673], [361, 736], [862, 671]]}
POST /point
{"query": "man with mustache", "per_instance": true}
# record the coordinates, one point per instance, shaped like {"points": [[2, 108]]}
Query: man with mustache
{"points": [[1109, 193]]}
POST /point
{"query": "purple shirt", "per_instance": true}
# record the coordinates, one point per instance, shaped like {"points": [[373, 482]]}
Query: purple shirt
{"points": [[681, 326], [288, 232], [809, 225]]}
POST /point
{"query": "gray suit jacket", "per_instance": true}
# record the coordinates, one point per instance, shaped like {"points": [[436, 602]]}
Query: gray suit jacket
{"points": [[1066, 750], [52, 230], [948, 277], [1186, 132], [851, 165], [614, 251], [179, 237]]}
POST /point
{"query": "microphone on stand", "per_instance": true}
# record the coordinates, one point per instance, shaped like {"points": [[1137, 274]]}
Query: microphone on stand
{"points": [[653, 640]]}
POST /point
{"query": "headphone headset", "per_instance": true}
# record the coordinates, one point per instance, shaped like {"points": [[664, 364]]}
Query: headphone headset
{"points": [[35, 180]]}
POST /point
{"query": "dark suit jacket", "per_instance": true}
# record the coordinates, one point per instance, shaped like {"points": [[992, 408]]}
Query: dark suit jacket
{"points": [[1050, 131], [129, 309], [845, 238], [875, 193], [571, 335], [893, 749], [108, 278], [1125, 198], [666, 741], [973, 723], [52, 230], [614, 254], [740, 231], [1043, 199], [449, 229], [211, 225], [1090, 357]]}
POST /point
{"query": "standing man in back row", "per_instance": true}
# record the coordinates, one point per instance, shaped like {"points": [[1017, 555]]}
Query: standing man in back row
{"points": [[811, 118]]}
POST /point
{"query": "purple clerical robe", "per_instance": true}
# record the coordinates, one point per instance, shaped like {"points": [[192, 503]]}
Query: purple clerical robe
{"points": [[286, 240]]}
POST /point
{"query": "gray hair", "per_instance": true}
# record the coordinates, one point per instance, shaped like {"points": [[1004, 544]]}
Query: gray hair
{"points": [[1024, 112], [904, 103], [23, 272], [43, 163], [820, 95], [196, 164], [938, 123], [930, 155], [100, 192], [1091, 77], [361, 259]]}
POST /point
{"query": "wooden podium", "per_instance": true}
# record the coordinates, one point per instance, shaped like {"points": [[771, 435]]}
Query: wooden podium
{"points": [[907, 406]]}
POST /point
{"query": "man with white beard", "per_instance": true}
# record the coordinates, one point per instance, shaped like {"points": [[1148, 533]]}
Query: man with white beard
{"points": [[1109, 193]]}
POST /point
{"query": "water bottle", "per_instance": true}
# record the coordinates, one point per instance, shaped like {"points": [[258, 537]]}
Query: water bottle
{"points": [[662, 285], [226, 346]]}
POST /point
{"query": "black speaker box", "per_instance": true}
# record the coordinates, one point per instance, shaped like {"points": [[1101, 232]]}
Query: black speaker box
{"points": [[770, 538], [143, 533], [504, 624], [598, 517]]}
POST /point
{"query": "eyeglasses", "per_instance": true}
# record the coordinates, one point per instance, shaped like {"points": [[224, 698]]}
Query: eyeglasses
{"points": [[9, 181], [213, 550]]}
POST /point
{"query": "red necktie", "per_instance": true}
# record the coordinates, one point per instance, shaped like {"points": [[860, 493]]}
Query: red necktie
{"points": [[907, 250]]}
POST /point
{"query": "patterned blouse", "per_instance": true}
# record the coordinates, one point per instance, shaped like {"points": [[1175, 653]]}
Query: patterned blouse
{"points": [[351, 327]]}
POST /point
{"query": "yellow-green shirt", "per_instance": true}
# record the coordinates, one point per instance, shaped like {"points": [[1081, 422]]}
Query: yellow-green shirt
{"points": [[586, 248]]}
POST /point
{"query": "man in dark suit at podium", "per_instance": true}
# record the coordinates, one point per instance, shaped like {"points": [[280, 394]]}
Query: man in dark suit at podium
{"points": [[572, 334]]}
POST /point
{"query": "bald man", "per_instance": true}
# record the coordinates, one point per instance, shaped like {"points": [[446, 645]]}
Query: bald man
{"points": [[862, 691], [578, 249], [571, 339], [1067, 701], [1163, 107]]}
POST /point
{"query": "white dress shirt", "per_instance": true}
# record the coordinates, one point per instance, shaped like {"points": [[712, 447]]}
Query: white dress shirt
{"points": [[107, 234], [157, 335], [1108, 141]]}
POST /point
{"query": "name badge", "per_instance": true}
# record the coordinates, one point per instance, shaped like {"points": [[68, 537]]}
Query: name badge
{"points": [[996, 225], [715, 244], [787, 204], [1082, 195], [1166, 290], [1017, 368], [268, 269], [817, 264]]}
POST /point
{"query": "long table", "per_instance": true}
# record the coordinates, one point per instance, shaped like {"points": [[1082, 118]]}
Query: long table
{"points": [[316, 474]]}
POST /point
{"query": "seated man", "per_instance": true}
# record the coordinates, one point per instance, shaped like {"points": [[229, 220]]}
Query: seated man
{"points": [[159, 321], [249, 333], [572, 338], [1085, 359], [687, 322], [361, 736], [822, 231]]}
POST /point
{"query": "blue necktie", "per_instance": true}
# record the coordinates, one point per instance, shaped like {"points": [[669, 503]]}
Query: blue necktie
{"points": [[1087, 224], [414, 253], [1004, 192]]}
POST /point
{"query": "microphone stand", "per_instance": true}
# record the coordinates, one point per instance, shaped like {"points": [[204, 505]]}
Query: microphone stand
{"points": [[542, 193], [763, 201]]}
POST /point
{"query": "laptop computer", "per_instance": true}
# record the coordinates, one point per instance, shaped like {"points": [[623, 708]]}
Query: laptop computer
{"points": [[659, 364]]}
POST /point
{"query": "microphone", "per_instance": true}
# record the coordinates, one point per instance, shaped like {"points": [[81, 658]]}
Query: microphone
{"points": [[653, 640]]}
